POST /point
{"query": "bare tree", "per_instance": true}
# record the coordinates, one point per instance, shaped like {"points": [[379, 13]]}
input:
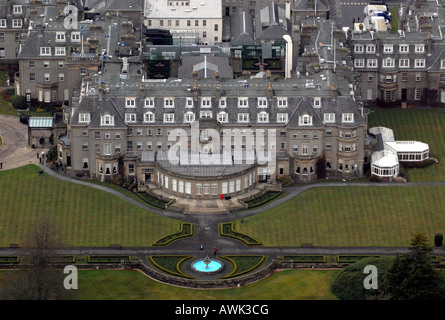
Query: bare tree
{"points": [[39, 280]]}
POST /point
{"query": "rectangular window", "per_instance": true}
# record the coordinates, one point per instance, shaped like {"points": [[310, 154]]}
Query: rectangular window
{"points": [[169, 117], [371, 63], [359, 63], [45, 51], [329, 117], [419, 63], [404, 63], [418, 94], [347, 117]]}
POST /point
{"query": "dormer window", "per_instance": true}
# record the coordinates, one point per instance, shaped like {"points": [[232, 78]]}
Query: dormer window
{"points": [[370, 48], [149, 103], [2, 23], [17, 9], [347, 118], [84, 117], [263, 117], [189, 102], [75, 37], [358, 48], [305, 120], [17, 23], [222, 117], [329, 117], [206, 102], [169, 102], [388, 48], [442, 64], [189, 117], [317, 102], [169, 117], [60, 51], [243, 102], [222, 102], [130, 117], [243, 117], [282, 117], [262, 103], [60, 37], [403, 48], [419, 48], [45, 51], [149, 117], [282, 102], [107, 120], [130, 102]]}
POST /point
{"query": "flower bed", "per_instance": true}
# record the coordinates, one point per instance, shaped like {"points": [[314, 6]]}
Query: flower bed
{"points": [[9, 259], [260, 200], [170, 264], [226, 230], [187, 230], [108, 259], [306, 258], [243, 264], [352, 259], [155, 202]]}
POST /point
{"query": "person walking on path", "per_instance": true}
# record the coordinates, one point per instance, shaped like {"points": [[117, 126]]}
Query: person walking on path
{"points": [[214, 251]]}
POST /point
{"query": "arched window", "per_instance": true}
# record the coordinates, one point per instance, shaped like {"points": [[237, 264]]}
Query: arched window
{"points": [[223, 117], [107, 120], [263, 116], [189, 117]]}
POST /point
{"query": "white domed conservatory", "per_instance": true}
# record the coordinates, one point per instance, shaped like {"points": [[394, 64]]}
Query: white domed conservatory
{"points": [[388, 153]]}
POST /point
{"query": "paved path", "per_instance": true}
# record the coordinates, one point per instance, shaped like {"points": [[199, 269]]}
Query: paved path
{"points": [[14, 151]]}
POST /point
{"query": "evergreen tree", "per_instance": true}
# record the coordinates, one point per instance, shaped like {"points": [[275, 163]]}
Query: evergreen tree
{"points": [[412, 277]]}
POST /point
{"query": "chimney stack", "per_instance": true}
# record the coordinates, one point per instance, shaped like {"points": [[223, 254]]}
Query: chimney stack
{"points": [[334, 92], [218, 91], [269, 90]]}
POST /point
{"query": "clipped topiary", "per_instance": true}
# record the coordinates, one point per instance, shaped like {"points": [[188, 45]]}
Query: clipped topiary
{"points": [[18, 102]]}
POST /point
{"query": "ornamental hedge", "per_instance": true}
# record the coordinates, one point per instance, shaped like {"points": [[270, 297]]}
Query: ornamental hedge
{"points": [[9, 259], [170, 264], [243, 264], [226, 230], [306, 258], [353, 258], [260, 200], [108, 259], [187, 230]]}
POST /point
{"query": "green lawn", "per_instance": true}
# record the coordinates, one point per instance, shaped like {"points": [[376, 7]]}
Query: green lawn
{"points": [[85, 216], [131, 285], [426, 125], [351, 216]]}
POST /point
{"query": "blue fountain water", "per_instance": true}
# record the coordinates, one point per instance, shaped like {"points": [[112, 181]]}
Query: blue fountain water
{"points": [[212, 266]]}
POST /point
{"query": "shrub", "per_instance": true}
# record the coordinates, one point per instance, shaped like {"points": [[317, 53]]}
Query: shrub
{"points": [[18, 102], [438, 239], [286, 181], [348, 285]]}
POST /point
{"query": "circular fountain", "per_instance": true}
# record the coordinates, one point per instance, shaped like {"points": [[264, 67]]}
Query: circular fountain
{"points": [[207, 265]]}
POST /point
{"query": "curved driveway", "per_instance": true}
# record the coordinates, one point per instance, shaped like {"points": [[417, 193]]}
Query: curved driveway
{"points": [[15, 153]]}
